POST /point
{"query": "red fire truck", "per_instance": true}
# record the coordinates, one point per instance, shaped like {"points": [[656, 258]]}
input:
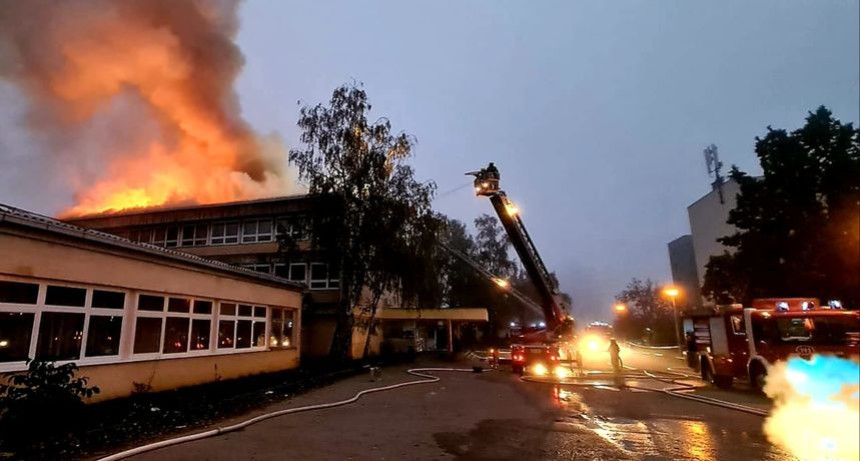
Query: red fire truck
{"points": [[737, 342]]}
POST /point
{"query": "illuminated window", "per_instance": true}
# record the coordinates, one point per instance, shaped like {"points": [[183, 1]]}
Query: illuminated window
{"points": [[16, 329], [281, 334], [176, 335]]}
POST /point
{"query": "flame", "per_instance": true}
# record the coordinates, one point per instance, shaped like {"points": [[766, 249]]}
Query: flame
{"points": [[144, 91], [817, 407]]}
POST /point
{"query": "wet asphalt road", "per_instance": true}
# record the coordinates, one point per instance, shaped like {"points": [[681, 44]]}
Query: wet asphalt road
{"points": [[495, 416]]}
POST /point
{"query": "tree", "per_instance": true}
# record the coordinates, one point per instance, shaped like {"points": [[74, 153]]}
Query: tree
{"points": [[799, 224], [371, 215], [646, 309]]}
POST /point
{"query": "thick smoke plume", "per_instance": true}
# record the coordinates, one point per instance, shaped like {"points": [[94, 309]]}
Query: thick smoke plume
{"points": [[816, 413], [135, 100]]}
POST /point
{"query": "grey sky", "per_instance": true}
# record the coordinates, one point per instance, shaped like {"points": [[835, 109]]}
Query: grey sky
{"points": [[595, 112]]}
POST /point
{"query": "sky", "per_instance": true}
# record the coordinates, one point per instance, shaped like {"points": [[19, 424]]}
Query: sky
{"points": [[596, 113]]}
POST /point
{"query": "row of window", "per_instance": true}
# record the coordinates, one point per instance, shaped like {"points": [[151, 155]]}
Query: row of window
{"points": [[57, 322], [219, 233], [319, 277]]}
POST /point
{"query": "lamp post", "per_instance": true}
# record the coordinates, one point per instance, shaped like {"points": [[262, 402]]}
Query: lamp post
{"points": [[673, 293]]}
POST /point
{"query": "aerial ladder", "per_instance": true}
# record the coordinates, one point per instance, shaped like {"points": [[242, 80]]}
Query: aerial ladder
{"points": [[500, 282], [559, 323]]}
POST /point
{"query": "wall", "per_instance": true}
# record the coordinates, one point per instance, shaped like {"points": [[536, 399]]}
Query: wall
{"points": [[64, 259], [708, 223], [118, 380], [682, 260], [73, 263]]}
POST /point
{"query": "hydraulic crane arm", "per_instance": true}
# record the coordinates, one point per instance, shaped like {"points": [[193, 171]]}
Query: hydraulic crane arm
{"points": [[552, 303]]}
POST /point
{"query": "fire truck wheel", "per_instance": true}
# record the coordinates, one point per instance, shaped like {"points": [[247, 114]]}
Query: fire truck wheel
{"points": [[758, 374], [723, 382]]}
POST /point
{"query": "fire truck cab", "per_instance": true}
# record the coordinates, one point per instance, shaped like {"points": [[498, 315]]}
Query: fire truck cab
{"points": [[737, 342]]}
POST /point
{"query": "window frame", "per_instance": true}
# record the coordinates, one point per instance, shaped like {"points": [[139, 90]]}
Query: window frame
{"points": [[256, 236], [260, 314]]}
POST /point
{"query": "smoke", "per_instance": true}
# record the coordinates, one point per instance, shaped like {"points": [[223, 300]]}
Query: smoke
{"points": [[817, 408], [134, 101]]}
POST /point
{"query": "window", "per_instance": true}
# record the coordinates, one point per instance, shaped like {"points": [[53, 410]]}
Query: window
{"points": [[322, 277], [66, 296], [281, 334], [226, 334], [200, 334], [194, 235], [319, 276], [147, 335], [254, 231], [228, 309], [108, 299], [103, 335], [158, 236], [225, 233], [264, 268], [243, 334], [172, 239], [142, 235], [738, 327], [294, 226], [16, 329], [299, 272], [202, 307], [245, 310], [176, 335], [150, 303], [178, 305], [60, 335], [282, 270], [18, 293]]}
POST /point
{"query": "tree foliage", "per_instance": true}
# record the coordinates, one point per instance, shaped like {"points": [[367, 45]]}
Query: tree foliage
{"points": [[41, 400], [799, 224], [649, 315], [372, 218]]}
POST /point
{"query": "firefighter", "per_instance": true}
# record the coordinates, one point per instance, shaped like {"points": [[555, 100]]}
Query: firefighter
{"points": [[615, 355]]}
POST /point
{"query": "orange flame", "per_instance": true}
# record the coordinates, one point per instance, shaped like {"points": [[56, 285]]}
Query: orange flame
{"points": [[174, 63]]}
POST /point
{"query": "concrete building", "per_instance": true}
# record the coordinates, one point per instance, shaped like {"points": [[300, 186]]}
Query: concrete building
{"points": [[135, 316], [682, 260], [708, 222], [246, 234]]}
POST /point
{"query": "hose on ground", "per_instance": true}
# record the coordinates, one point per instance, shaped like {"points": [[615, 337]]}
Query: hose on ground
{"points": [[678, 390], [419, 372]]}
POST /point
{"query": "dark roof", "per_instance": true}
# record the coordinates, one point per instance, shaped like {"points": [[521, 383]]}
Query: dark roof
{"points": [[194, 212], [12, 215]]}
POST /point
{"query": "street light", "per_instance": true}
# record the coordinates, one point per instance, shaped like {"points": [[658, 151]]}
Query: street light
{"points": [[620, 308], [502, 283], [672, 293]]}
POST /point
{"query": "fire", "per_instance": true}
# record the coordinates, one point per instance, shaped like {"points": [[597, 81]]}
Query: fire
{"points": [[140, 96], [817, 407]]}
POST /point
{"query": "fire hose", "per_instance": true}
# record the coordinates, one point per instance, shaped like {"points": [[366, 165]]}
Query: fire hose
{"points": [[420, 372], [678, 390]]}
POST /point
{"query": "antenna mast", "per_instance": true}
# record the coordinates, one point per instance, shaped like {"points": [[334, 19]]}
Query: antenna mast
{"points": [[712, 161]]}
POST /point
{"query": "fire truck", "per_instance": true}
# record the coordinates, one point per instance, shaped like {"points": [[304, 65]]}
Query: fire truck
{"points": [[737, 342], [548, 349]]}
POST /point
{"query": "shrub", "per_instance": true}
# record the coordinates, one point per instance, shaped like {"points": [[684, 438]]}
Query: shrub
{"points": [[41, 401]]}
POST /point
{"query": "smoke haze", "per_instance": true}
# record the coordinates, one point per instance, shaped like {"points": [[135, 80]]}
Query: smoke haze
{"points": [[133, 102]]}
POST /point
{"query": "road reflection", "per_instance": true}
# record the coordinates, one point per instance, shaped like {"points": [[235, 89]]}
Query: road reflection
{"points": [[698, 440]]}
